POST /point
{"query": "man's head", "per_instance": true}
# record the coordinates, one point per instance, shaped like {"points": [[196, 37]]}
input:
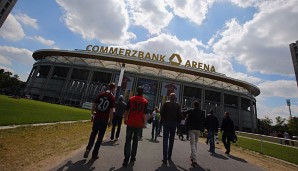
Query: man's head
{"points": [[227, 114], [120, 98], [172, 97], [140, 91], [196, 104], [112, 87]]}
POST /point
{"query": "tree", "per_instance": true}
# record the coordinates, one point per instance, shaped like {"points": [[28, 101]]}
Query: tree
{"points": [[265, 125], [280, 125], [10, 84], [293, 126]]}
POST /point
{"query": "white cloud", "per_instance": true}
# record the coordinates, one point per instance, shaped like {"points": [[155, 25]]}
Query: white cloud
{"points": [[105, 21], [279, 88], [193, 10], [12, 55], [43, 40], [26, 20], [151, 15], [247, 3], [12, 29], [264, 39]]}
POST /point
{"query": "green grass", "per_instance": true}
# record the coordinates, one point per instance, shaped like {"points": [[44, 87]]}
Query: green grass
{"points": [[278, 151], [24, 111]]}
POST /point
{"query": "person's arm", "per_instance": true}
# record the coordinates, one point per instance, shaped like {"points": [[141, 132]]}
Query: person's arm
{"points": [[111, 114], [145, 115], [126, 112], [92, 111]]}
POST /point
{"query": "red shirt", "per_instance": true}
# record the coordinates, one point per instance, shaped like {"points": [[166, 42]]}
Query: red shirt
{"points": [[137, 106], [103, 103]]}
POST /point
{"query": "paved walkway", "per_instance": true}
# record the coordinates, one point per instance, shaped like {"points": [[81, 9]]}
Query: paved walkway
{"points": [[149, 157]]}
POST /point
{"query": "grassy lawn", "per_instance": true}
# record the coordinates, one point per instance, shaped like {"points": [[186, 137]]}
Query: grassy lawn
{"points": [[278, 151], [26, 146], [24, 111]]}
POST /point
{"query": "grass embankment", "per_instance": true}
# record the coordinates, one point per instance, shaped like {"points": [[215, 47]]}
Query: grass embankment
{"points": [[274, 150], [24, 111], [26, 146]]}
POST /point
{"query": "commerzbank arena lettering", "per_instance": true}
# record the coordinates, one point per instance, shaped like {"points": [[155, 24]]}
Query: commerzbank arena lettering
{"points": [[174, 59]]}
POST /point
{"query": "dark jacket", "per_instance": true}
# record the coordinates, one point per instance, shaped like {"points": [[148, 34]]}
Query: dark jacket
{"points": [[211, 123], [227, 125], [120, 108], [196, 119], [170, 111]]}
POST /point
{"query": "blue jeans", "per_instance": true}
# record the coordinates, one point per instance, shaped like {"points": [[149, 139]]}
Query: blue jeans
{"points": [[130, 151], [211, 140], [169, 129], [117, 121], [155, 128], [99, 127], [226, 139]]}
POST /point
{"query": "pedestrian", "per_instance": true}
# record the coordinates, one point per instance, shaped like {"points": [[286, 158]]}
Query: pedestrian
{"points": [[117, 119], [155, 124], [135, 119], [102, 115], [286, 137], [182, 128], [170, 113], [228, 132], [211, 124], [196, 119]]}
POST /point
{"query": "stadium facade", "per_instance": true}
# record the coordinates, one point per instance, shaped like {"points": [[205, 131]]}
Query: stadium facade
{"points": [[75, 77]]}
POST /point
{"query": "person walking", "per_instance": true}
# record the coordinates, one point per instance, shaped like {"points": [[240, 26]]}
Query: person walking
{"points": [[155, 124], [170, 113], [117, 119], [228, 132], [211, 124], [196, 120], [102, 115], [135, 119]]}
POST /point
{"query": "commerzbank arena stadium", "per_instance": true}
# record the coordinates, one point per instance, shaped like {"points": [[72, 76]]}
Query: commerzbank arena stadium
{"points": [[75, 77]]}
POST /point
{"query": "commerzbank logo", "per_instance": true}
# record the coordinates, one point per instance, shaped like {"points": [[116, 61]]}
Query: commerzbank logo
{"points": [[174, 59]]}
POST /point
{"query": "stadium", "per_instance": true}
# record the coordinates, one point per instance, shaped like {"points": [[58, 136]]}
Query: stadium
{"points": [[75, 77]]}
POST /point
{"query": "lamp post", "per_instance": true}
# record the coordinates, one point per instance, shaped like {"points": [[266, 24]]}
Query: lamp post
{"points": [[120, 81], [289, 104]]}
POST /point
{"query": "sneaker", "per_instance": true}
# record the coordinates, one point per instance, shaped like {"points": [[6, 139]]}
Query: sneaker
{"points": [[112, 139], [86, 154], [227, 152], [124, 164], [164, 162], [140, 139], [132, 160], [194, 164], [95, 157], [116, 139]]}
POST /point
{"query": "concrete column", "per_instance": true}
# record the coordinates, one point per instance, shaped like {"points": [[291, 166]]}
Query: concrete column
{"points": [[239, 114], [251, 116], [62, 94], [49, 76], [203, 98], [88, 81]]}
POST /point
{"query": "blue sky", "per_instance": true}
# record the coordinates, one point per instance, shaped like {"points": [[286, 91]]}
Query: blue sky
{"points": [[244, 39]]}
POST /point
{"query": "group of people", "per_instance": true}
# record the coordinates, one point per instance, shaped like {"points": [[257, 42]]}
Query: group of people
{"points": [[107, 112]]}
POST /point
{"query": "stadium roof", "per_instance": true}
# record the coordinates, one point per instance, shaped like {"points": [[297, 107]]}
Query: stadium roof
{"points": [[149, 67]]}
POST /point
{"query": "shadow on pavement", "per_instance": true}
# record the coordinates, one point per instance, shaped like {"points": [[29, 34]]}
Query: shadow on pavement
{"points": [[110, 143], [237, 158], [219, 156], [79, 165]]}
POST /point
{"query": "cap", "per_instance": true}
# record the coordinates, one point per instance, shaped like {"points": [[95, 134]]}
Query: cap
{"points": [[120, 97]]}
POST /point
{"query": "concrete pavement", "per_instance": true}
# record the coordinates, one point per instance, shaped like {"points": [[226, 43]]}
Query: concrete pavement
{"points": [[149, 157]]}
